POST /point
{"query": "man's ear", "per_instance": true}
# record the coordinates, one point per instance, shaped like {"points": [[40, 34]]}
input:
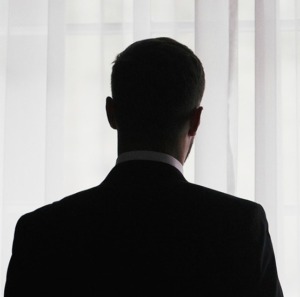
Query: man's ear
{"points": [[195, 121], [111, 112]]}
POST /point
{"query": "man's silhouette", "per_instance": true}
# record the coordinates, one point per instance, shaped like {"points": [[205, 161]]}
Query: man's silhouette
{"points": [[145, 230]]}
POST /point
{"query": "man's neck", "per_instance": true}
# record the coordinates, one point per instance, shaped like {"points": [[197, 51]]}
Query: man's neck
{"points": [[176, 149], [143, 155], [152, 149]]}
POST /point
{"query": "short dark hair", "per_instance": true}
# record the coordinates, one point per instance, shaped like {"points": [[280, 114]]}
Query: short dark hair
{"points": [[156, 83]]}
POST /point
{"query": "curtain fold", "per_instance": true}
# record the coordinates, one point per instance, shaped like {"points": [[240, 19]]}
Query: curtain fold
{"points": [[142, 19], [232, 97], [216, 38], [212, 46], [3, 56], [55, 101], [24, 48], [266, 105]]}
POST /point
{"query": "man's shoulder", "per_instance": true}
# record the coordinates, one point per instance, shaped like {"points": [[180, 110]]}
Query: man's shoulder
{"points": [[65, 207], [202, 194], [212, 203], [183, 195]]}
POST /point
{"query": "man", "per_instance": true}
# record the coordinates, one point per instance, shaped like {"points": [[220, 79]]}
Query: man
{"points": [[146, 231]]}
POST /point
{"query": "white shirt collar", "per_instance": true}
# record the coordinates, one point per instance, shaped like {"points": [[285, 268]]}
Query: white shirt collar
{"points": [[150, 156]]}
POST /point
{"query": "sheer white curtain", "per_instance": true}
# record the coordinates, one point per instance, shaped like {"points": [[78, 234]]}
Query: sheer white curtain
{"points": [[55, 63]]}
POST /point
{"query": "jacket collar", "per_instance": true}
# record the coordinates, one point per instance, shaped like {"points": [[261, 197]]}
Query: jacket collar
{"points": [[150, 156]]}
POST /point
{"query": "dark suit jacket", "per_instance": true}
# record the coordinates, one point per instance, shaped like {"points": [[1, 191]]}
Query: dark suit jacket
{"points": [[144, 231]]}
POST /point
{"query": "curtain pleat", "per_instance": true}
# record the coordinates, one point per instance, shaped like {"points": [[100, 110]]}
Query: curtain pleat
{"points": [[54, 141], [212, 46], [233, 100], [3, 66], [266, 101], [142, 19]]}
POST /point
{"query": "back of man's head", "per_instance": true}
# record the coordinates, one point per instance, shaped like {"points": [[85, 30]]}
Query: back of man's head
{"points": [[156, 84]]}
